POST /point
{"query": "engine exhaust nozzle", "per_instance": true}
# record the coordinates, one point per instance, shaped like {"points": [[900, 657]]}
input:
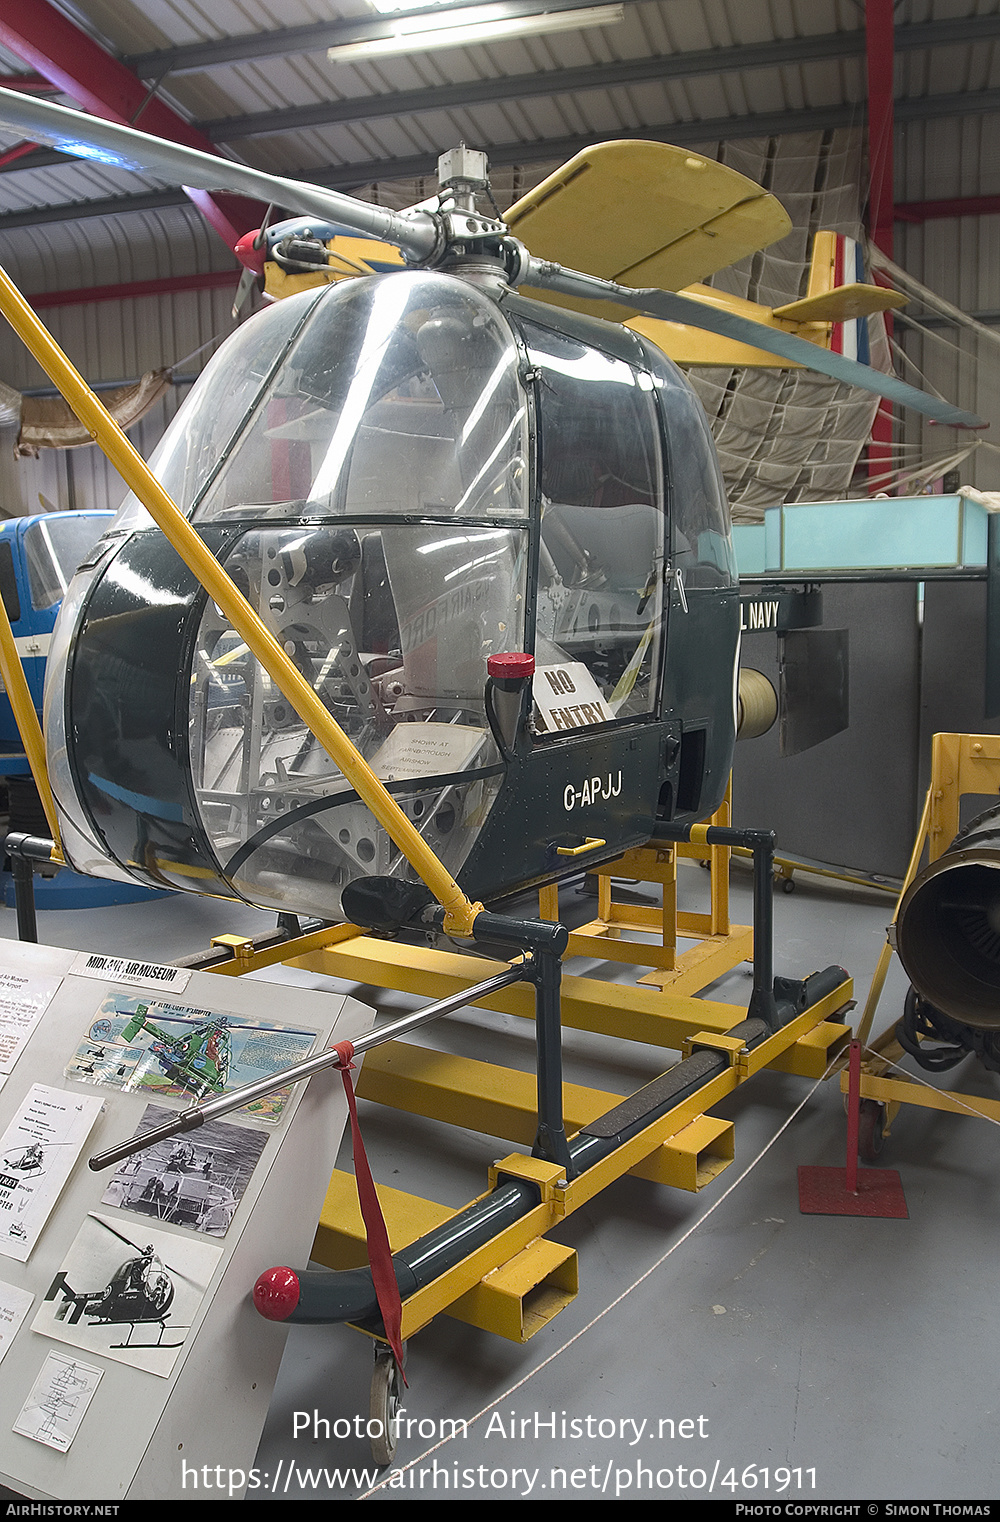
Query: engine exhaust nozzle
{"points": [[948, 927]]}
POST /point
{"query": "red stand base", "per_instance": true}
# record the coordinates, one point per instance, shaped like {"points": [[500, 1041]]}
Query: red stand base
{"points": [[852, 1190], [825, 1191]]}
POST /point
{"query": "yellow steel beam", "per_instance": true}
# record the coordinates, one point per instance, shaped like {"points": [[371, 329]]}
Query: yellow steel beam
{"points": [[627, 1012], [442, 1292], [463, 1092], [460, 913], [246, 959], [519, 1298], [901, 1091], [812, 1053], [702, 963], [341, 1241], [560, 1198], [693, 1157]]}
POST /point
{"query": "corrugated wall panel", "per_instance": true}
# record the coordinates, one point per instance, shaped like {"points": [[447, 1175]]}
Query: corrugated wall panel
{"points": [[112, 340], [959, 258]]}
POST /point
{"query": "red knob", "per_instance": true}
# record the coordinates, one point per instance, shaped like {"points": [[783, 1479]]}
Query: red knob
{"points": [[513, 665], [250, 251], [276, 1293]]}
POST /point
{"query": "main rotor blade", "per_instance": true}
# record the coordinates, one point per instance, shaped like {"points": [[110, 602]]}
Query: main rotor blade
{"points": [[671, 307], [90, 137]]}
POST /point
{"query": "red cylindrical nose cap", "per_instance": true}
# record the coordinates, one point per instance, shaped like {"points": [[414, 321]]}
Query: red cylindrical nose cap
{"points": [[276, 1293], [250, 253], [513, 665]]}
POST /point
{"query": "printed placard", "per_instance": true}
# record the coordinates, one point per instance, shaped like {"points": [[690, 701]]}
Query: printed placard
{"points": [[23, 999], [567, 697], [426, 750], [37, 1153], [58, 1401], [131, 971], [14, 1306]]}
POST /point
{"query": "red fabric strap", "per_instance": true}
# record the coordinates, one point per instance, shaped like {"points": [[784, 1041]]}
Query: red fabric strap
{"points": [[379, 1252]]}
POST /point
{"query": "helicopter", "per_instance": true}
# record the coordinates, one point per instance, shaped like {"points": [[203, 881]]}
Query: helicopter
{"points": [[29, 1160], [489, 531], [198, 1061], [140, 1292]]}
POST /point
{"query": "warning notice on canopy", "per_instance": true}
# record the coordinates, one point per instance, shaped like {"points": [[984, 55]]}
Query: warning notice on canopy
{"points": [[567, 697]]}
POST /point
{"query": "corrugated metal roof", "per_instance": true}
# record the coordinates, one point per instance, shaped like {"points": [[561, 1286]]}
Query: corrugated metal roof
{"points": [[741, 83], [702, 71]]}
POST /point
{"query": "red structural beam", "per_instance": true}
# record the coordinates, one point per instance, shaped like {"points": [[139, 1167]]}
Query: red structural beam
{"points": [[61, 53], [17, 152], [959, 206], [215, 280], [33, 83], [880, 48], [880, 58]]}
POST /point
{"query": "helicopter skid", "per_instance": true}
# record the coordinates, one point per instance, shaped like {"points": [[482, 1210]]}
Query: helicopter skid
{"points": [[159, 1343], [486, 1263]]}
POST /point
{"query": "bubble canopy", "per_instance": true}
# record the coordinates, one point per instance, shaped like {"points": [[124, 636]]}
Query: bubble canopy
{"points": [[404, 477], [357, 458]]}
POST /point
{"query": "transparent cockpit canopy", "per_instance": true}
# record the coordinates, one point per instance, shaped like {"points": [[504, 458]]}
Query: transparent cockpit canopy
{"points": [[600, 606], [385, 396], [219, 405], [391, 627], [54, 547], [381, 428]]}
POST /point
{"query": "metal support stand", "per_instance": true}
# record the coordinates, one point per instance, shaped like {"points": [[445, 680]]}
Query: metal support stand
{"points": [[24, 851], [550, 1139], [23, 874], [763, 1005], [545, 944], [874, 1192]]}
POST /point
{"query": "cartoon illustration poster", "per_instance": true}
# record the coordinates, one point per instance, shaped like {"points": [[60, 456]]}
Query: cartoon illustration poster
{"points": [[172, 1051]]}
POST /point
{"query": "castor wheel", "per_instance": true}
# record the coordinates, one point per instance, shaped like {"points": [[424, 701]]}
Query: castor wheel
{"points": [[386, 1395], [788, 885], [871, 1124]]}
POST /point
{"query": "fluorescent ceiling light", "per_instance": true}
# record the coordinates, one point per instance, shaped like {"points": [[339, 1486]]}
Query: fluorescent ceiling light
{"points": [[387, 6], [460, 28]]}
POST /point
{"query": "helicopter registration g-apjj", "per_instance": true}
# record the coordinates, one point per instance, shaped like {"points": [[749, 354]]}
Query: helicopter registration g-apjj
{"points": [[490, 533]]}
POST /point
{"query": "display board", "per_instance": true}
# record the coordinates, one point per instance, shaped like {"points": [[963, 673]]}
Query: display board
{"points": [[131, 1355]]}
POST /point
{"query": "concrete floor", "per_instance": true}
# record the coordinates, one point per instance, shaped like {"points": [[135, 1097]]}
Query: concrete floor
{"points": [[810, 1357]]}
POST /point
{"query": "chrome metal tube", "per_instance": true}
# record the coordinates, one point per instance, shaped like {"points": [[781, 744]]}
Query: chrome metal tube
{"points": [[189, 1120]]}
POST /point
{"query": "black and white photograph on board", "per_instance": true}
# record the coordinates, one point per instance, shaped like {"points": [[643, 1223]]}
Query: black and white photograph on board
{"points": [[131, 1295], [196, 1182]]}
